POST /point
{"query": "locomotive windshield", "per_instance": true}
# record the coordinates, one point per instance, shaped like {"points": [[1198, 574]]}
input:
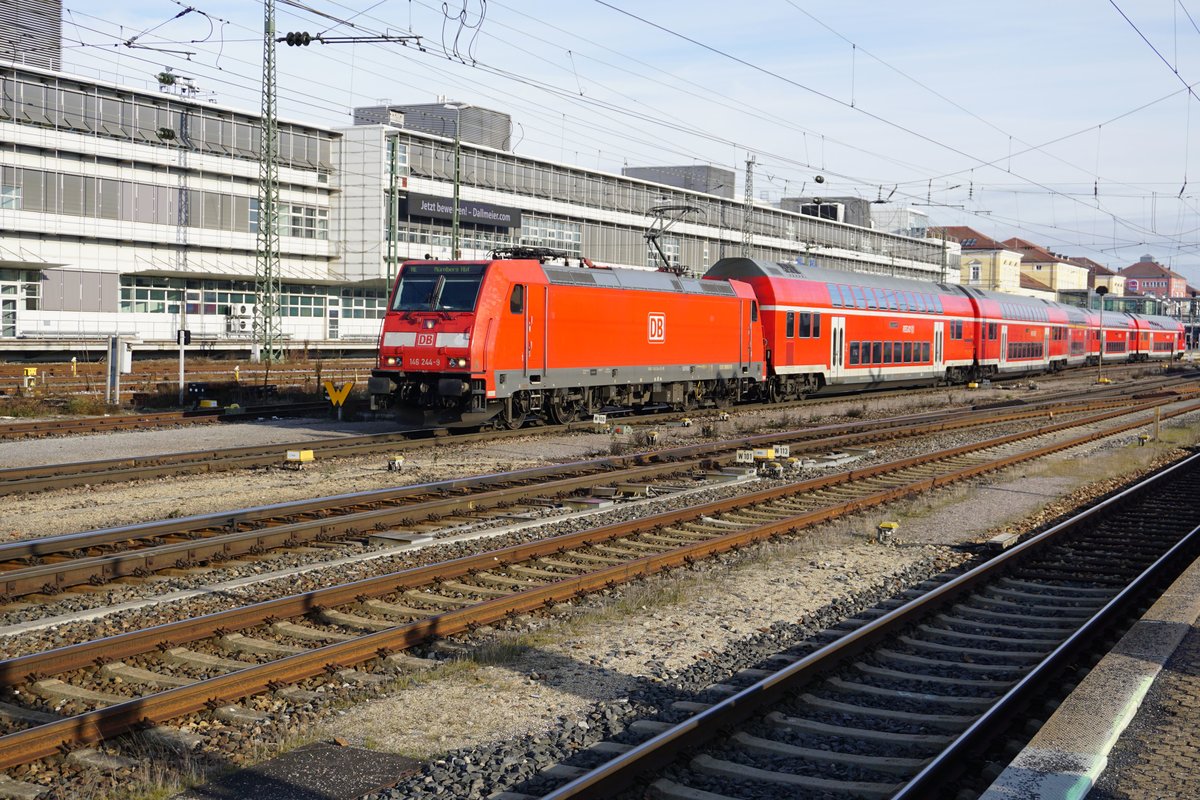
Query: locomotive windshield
{"points": [[438, 287]]}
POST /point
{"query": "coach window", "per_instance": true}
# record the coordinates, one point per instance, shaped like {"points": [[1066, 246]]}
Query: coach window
{"points": [[924, 351], [835, 297], [816, 326], [908, 353], [877, 353], [921, 303], [853, 353], [860, 298], [847, 296], [891, 298], [887, 352], [991, 330], [898, 352], [516, 303], [791, 325]]}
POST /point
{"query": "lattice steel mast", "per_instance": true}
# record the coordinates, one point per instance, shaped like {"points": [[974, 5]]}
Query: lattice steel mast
{"points": [[266, 260], [748, 211]]}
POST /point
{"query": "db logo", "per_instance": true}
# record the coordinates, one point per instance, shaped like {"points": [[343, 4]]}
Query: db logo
{"points": [[657, 327], [425, 339]]}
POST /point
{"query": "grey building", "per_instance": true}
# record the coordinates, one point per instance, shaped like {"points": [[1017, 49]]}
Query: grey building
{"points": [[31, 32], [446, 118], [851, 210], [703, 178]]}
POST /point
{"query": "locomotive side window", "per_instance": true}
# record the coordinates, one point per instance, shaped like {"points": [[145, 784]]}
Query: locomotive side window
{"points": [[516, 303], [790, 333]]}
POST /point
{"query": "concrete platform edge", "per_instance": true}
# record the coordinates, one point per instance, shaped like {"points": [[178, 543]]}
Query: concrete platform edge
{"points": [[1068, 755]]}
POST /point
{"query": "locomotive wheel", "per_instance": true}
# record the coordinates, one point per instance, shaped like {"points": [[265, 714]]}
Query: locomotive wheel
{"points": [[720, 397], [515, 411], [563, 409]]}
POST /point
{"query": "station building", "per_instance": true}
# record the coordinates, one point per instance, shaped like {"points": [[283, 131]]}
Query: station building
{"points": [[128, 211]]}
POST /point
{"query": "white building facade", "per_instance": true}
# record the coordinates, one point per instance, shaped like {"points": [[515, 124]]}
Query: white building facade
{"points": [[132, 212]]}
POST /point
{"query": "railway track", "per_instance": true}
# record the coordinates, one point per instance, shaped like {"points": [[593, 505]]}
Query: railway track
{"points": [[88, 691], [50, 565], [151, 420], [61, 476], [900, 703]]}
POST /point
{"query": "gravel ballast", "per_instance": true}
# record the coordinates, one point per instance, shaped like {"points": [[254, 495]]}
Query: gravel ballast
{"points": [[549, 684]]}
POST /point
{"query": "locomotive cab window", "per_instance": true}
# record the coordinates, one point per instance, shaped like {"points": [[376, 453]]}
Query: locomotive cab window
{"points": [[439, 287], [516, 303], [754, 311]]}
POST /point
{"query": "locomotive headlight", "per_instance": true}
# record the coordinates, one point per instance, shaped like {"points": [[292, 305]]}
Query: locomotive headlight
{"points": [[462, 362], [390, 361]]}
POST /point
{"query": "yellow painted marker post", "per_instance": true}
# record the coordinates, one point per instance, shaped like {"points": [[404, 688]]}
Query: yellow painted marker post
{"points": [[338, 396]]}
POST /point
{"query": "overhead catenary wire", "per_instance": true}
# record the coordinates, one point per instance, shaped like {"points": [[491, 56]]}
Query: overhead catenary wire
{"points": [[794, 163]]}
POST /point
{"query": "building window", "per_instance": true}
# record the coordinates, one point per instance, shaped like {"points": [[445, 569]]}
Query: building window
{"points": [[553, 233], [670, 247], [362, 304], [976, 271], [10, 197]]}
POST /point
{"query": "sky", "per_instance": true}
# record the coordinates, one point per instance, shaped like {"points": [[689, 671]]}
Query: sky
{"points": [[1063, 122]]}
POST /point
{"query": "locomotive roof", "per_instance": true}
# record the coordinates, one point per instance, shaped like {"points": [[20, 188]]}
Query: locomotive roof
{"points": [[753, 267], [635, 279]]}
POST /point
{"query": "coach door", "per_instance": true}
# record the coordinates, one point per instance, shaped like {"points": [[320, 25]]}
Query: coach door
{"points": [[1046, 345], [1003, 345], [837, 346], [939, 358]]}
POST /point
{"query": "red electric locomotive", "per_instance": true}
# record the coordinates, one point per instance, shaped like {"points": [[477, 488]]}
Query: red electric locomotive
{"points": [[527, 334]]}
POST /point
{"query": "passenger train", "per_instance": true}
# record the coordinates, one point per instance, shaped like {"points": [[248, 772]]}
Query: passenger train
{"points": [[531, 333]]}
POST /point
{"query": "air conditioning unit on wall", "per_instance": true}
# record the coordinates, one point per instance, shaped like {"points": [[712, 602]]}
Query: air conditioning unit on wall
{"points": [[239, 325], [243, 311]]}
